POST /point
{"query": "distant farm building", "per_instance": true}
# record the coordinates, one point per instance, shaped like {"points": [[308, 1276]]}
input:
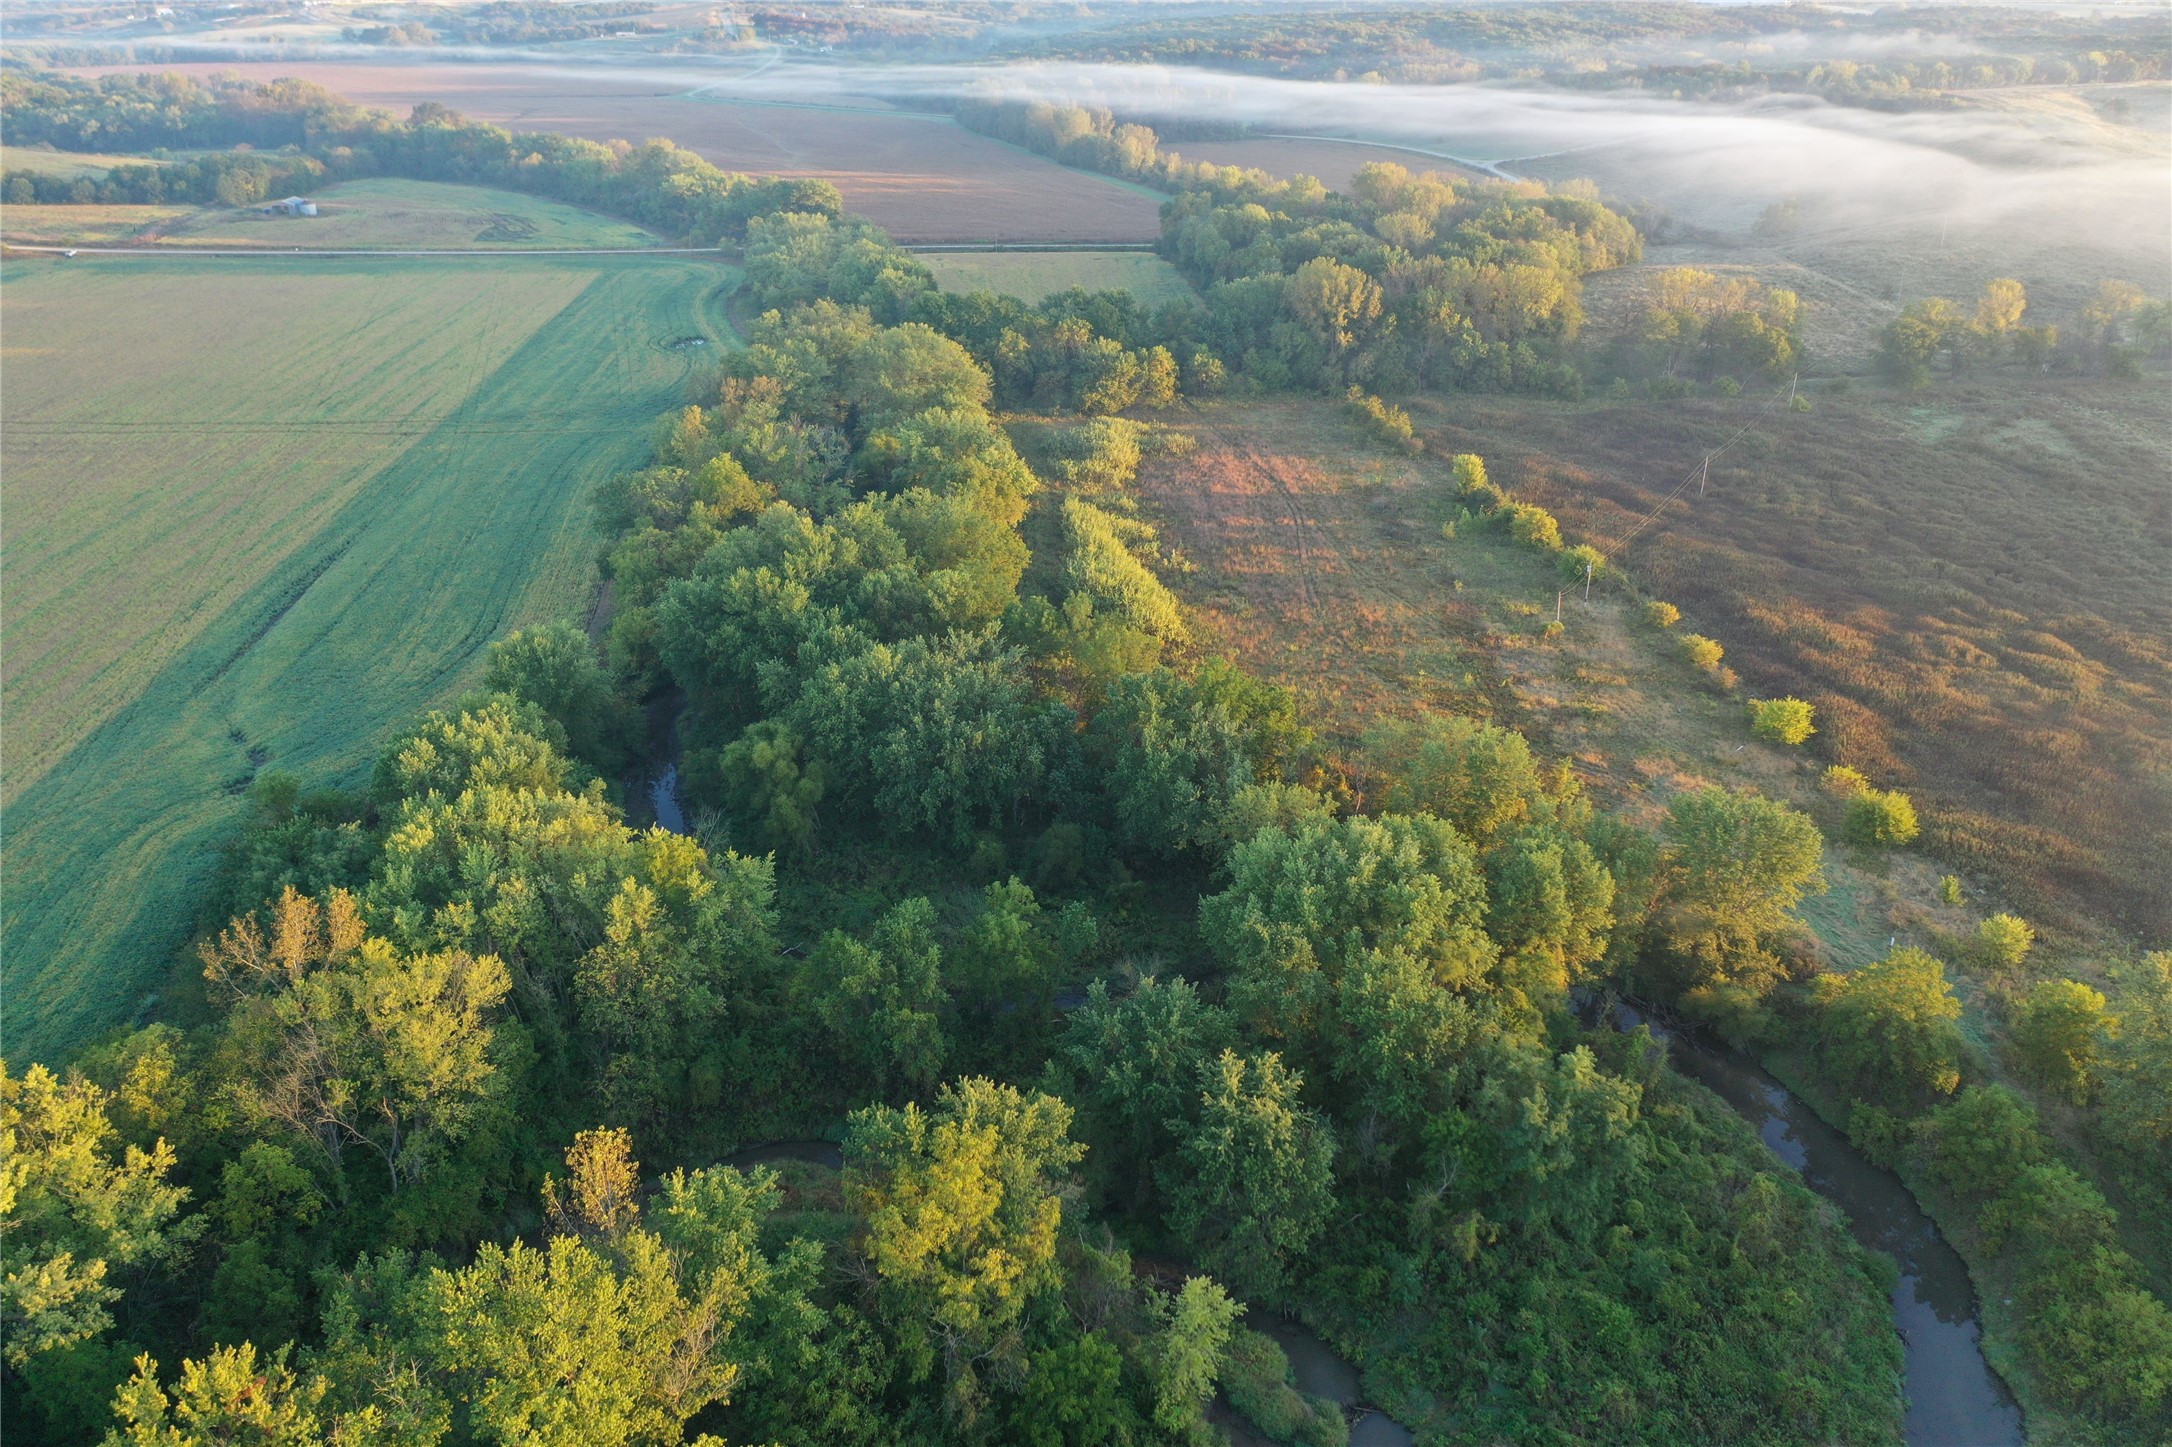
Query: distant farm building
{"points": [[292, 206]]}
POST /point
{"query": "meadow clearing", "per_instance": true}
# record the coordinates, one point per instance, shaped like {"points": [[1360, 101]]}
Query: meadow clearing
{"points": [[211, 565], [922, 178], [1318, 560], [1031, 275], [385, 211]]}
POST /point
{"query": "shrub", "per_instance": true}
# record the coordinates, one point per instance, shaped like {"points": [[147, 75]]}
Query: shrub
{"points": [[1843, 782], [2056, 1033], [2004, 940], [1554, 629], [1702, 651], [1661, 615], [1256, 1375], [1884, 817], [1728, 387], [1949, 890], [1532, 526], [1888, 1028], [1782, 720], [1574, 561], [1386, 423]]}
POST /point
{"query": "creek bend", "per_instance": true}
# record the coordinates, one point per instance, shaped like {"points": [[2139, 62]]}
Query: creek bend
{"points": [[1954, 1399]]}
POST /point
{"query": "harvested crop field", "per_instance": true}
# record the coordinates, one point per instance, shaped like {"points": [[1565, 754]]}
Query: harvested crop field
{"points": [[235, 488], [923, 178], [91, 225], [1031, 275], [1329, 161]]}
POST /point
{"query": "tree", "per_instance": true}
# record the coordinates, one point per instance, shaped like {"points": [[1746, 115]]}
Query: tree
{"points": [[1880, 818], [1187, 1352], [1781, 720], [2056, 1033], [771, 781], [1888, 1027], [1250, 1184], [1131, 1068], [1477, 776], [555, 668], [72, 1210], [2004, 941], [230, 1396], [1177, 752], [1980, 1140], [882, 1000], [347, 1041], [1341, 307], [959, 1208], [1307, 905], [1737, 865]]}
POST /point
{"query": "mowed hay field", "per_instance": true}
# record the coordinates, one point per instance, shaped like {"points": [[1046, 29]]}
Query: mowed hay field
{"points": [[258, 512], [388, 212], [91, 225], [923, 178], [1031, 275]]}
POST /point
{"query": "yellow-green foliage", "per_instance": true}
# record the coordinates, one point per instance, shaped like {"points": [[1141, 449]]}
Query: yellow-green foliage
{"points": [[1102, 566], [1882, 817], [158, 656], [1661, 615], [1532, 526], [1700, 650], [1782, 720], [1843, 782], [1387, 423]]}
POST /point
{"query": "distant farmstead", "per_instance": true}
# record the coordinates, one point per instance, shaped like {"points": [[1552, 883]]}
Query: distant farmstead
{"points": [[292, 206]]}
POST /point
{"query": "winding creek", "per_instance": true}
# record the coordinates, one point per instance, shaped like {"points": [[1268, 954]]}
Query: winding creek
{"points": [[1954, 1398]]}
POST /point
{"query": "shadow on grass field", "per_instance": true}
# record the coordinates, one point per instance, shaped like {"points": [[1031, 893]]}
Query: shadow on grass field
{"points": [[478, 527]]}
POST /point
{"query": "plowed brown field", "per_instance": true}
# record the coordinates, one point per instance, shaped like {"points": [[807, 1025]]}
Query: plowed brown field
{"points": [[923, 178]]}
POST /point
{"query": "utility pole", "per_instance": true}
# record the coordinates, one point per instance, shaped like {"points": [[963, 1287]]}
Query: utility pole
{"points": [[1704, 475], [1587, 586], [1791, 381], [1557, 603]]}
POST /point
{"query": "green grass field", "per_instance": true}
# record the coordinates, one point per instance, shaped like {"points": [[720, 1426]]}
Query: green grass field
{"points": [[42, 162], [1032, 275], [433, 214], [257, 514]]}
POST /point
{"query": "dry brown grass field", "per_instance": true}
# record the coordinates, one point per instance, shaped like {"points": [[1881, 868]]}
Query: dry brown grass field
{"points": [[1319, 562], [922, 178], [1969, 583]]}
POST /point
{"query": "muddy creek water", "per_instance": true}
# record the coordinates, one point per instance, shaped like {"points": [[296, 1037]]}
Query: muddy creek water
{"points": [[1954, 1398]]}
